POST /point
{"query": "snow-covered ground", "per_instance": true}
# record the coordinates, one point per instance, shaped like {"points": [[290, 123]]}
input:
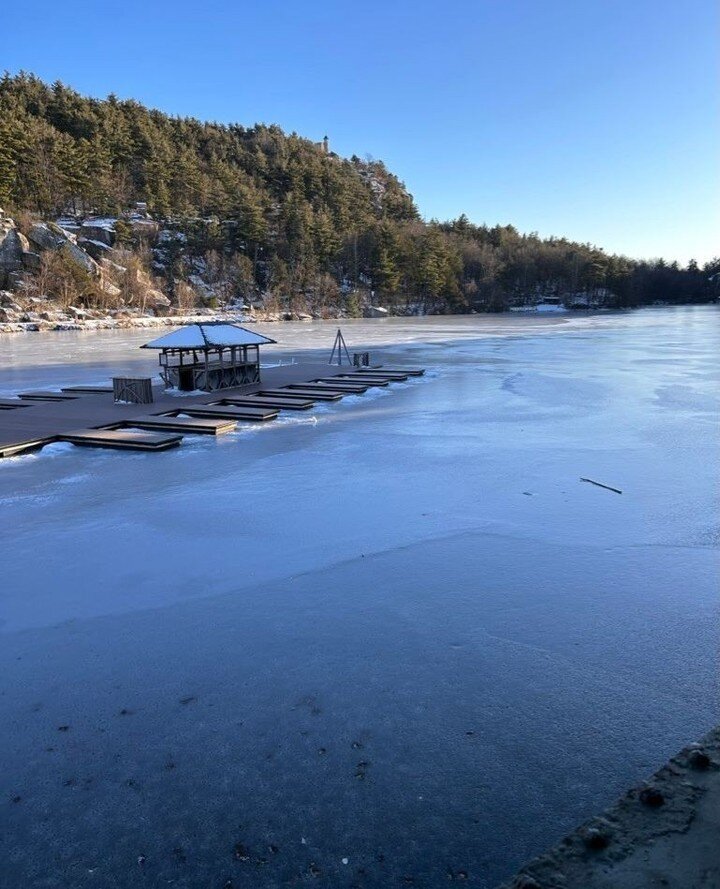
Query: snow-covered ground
{"points": [[397, 632]]}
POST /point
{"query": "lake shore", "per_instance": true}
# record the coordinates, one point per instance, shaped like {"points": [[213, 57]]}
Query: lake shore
{"points": [[53, 321]]}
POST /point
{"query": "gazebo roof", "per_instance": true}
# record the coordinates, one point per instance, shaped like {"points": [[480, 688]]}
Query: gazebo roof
{"points": [[208, 335]]}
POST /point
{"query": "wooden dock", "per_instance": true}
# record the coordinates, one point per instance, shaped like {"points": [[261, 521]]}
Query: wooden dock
{"points": [[305, 392], [370, 382], [47, 396], [88, 416], [127, 440], [230, 412], [408, 372], [196, 425], [378, 377], [10, 404], [342, 386], [87, 390], [285, 404]]}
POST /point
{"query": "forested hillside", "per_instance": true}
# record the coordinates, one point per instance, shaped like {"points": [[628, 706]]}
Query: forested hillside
{"points": [[270, 216]]}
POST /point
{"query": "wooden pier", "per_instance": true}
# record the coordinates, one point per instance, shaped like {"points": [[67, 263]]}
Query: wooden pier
{"points": [[305, 391], [47, 396], [127, 440], [285, 404], [342, 386], [408, 372], [87, 390], [196, 425], [88, 415], [370, 382], [229, 412]]}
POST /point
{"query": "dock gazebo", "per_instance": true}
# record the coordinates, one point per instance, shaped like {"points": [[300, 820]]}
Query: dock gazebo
{"points": [[208, 356]]}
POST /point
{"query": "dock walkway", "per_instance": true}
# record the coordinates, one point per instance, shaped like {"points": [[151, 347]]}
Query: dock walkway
{"points": [[88, 415]]}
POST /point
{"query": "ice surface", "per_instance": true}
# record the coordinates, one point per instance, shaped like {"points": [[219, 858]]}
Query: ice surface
{"points": [[398, 627]]}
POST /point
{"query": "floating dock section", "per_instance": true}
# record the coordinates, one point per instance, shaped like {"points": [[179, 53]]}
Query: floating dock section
{"points": [[339, 386], [195, 425], [123, 439], [305, 392], [87, 390], [231, 412], [47, 396], [286, 404]]}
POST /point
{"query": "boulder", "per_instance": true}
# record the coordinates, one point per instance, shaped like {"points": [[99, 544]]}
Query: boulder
{"points": [[146, 228], [53, 316], [101, 231], [110, 289], [31, 261], [7, 301], [48, 236], [16, 280], [81, 258], [156, 300], [110, 266], [96, 249], [12, 246], [138, 276]]}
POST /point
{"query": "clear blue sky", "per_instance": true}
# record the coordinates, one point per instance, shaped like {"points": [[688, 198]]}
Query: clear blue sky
{"points": [[594, 119]]}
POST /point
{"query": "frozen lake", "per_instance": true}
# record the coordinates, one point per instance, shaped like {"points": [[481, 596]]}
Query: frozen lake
{"points": [[394, 641]]}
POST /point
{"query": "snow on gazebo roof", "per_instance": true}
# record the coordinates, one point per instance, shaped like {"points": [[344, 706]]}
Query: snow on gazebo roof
{"points": [[208, 335]]}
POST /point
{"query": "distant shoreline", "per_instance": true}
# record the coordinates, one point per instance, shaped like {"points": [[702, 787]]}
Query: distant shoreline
{"points": [[137, 323], [50, 325]]}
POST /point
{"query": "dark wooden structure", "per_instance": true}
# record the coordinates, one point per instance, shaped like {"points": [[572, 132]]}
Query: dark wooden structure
{"points": [[209, 356], [131, 390], [89, 416], [122, 440]]}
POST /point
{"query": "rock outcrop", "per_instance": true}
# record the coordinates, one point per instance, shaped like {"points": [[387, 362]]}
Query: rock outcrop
{"points": [[13, 244], [49, 236], [81, 258], [110, 289], [101, 230], [31, 261], [157, 300], [96, 249]]}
